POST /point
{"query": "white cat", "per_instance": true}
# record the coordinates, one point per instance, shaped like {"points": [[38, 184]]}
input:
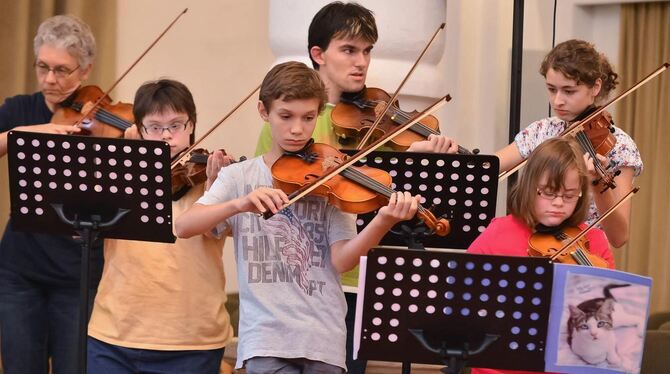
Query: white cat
{"points": [[591, 327]]}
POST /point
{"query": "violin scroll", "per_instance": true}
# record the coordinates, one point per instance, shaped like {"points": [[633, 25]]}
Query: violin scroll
{"points": [[440, 226]]}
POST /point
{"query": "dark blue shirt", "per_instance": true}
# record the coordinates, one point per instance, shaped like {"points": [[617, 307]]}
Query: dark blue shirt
{"points": [[53, 260]]}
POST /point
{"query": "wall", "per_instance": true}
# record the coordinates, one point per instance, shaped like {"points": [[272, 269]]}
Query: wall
{"points": [[219, 49]]}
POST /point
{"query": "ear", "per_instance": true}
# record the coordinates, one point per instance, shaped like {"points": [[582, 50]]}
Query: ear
{"points": [[608, 306], [574, 311], [85, 72], [263, 111], [317, 54], [597, 86]]}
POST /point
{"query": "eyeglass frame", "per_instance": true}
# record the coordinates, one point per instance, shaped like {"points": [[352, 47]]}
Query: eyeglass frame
{"points": [[551, 196], [44, 69], [163, 128]]}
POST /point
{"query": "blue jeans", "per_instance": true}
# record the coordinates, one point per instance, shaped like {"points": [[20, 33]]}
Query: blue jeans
{"points": [[104, 358], [38, 321]]}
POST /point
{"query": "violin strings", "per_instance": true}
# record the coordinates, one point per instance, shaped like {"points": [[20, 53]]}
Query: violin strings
{"points": [[579, 256], [372, 184], [419, 127], [586, 145], [107, 117], [110, 117]]}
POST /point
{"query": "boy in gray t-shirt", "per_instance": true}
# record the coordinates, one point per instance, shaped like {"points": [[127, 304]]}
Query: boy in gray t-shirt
{"points": [[291, 304]]}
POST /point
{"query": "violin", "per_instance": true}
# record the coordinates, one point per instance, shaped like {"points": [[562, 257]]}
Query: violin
{"points": [[569, 245], [551, 244], [192, 171], [597, 137], [356, 113], [105, 120], [357, 189]]}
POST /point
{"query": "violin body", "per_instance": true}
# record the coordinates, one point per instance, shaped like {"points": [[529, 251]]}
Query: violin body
{"points": [[548, 245], [352, 119], [596, 136], [356, 189], [106, 120], [290, 174], [600, 132]]}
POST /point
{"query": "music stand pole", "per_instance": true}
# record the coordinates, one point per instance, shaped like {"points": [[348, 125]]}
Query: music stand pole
{"points": [[88, 231]]}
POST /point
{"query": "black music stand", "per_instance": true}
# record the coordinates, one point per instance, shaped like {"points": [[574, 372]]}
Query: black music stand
{"points": [[92, 188], [449, 308], [462, 188]]}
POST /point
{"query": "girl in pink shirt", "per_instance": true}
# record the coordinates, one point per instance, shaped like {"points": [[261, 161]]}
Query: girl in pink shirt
{"points": [[552, 193]]}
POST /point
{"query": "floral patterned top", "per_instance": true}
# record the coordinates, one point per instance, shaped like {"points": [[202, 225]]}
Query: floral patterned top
{"points": [[624, 153]]}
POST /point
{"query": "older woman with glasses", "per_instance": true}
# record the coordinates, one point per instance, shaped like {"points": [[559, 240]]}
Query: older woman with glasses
{"points": [[39, 273]]}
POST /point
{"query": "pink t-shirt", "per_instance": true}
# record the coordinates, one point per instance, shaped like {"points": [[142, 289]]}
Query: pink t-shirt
{"points": [[508, 236]]}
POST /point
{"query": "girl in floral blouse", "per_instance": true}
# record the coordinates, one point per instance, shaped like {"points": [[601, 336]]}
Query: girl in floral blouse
{"points": [[578, 77]]}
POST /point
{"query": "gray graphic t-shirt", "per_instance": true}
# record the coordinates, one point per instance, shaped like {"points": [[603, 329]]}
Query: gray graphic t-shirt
{"points": [[291, 302]]}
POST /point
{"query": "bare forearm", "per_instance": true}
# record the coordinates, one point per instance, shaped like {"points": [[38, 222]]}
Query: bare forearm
{"points": [[348, 255], [3, 144], [200, 219], [509, 157]]}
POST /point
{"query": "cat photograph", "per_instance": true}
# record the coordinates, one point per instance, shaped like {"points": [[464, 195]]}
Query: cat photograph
{"points": [[603, 323]]}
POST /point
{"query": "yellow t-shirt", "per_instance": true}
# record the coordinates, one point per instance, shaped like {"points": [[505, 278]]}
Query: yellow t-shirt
{"points": [[163, 296]]}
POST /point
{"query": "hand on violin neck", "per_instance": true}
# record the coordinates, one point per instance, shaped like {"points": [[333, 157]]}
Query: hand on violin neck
{"points": [[603, 163], [216, 160], [435, 144], [261, 200], [402, 206], [132, 132]]}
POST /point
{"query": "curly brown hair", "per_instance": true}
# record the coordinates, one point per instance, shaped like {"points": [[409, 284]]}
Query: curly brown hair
{"points": [[580, 61]]}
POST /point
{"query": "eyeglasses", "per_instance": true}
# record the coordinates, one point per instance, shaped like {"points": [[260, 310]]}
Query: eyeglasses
{"points": [[548, 195], [60, 72], [174, 129]]}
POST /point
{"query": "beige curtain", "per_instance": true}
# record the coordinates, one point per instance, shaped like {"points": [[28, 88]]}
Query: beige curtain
{"points": [[19, 23], [645, 115]]}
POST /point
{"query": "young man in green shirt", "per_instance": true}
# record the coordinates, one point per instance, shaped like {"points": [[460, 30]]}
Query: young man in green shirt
{"points": [[340, 41]]}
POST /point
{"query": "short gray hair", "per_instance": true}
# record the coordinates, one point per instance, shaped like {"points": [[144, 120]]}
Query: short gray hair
{"points": [[68, 32]]}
